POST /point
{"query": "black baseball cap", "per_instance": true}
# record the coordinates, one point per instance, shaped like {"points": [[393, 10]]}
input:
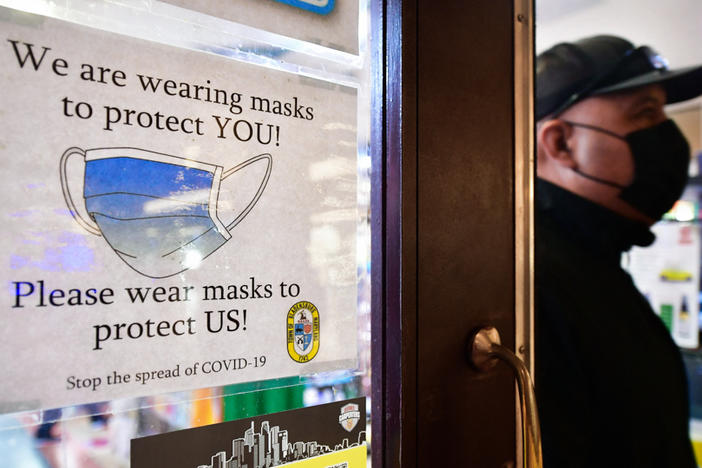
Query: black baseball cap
{"points": [[571, 71]]}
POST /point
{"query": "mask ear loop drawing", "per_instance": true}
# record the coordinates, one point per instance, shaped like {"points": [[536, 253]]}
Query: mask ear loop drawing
{"points": [[261, 188], [83, 219]]}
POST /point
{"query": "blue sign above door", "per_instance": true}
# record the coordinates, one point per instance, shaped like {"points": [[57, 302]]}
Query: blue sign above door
{"points": [[322, 7]]}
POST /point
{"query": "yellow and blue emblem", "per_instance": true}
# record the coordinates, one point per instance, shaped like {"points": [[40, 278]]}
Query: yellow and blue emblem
{"points": [[303, 331]]}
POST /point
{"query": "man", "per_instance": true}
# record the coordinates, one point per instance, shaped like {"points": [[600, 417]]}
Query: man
{"points": [[610, 382]]}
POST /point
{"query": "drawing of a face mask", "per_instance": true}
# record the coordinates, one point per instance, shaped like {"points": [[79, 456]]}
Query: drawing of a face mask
{"points": [[157, 212]]}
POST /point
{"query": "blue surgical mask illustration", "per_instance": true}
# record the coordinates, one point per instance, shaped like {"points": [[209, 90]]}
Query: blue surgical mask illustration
{"points": [[158, 212]]}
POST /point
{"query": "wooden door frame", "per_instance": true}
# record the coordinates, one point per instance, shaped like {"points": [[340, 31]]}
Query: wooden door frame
{"points": [[398, 129], [393, 232]]}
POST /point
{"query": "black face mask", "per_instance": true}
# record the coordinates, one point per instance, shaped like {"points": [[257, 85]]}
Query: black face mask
{"points": [[661, 158]]}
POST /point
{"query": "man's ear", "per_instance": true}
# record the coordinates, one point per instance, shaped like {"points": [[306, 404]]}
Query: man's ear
{"points": [[552, 137]]}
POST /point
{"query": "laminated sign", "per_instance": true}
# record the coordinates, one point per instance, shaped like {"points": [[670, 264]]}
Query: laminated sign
{"points": [[172, 219]]}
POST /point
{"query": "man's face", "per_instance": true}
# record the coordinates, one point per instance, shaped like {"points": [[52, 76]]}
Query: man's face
{"points": [[596, 153]]}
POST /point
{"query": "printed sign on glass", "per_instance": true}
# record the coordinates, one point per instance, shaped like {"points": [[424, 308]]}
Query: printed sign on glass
{"points": [[164, 213], [306, 437]]}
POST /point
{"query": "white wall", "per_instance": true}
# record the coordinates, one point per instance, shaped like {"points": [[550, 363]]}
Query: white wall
{"points": [[672, 27]]}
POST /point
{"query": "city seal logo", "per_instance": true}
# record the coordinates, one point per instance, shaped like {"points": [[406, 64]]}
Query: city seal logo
{"points": [[349, 416], [303, 331]]}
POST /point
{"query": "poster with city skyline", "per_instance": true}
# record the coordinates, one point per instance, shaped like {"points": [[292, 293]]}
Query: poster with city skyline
{"points": [[277, 439]]}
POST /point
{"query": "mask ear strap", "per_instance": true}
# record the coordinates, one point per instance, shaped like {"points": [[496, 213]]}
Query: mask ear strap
{"points": [[606, 132], [84, 219], [597, 179], [261, 187], [595, 128]]}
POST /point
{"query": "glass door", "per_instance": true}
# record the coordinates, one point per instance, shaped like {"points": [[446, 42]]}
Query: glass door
{"points": [[264, 232], [188, 251]]}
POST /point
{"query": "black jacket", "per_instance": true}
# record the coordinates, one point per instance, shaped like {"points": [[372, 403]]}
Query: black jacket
{"points": [[610, 382]]}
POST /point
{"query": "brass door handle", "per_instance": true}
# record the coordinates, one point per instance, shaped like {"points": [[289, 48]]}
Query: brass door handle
{"points": [[484, 350]]}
